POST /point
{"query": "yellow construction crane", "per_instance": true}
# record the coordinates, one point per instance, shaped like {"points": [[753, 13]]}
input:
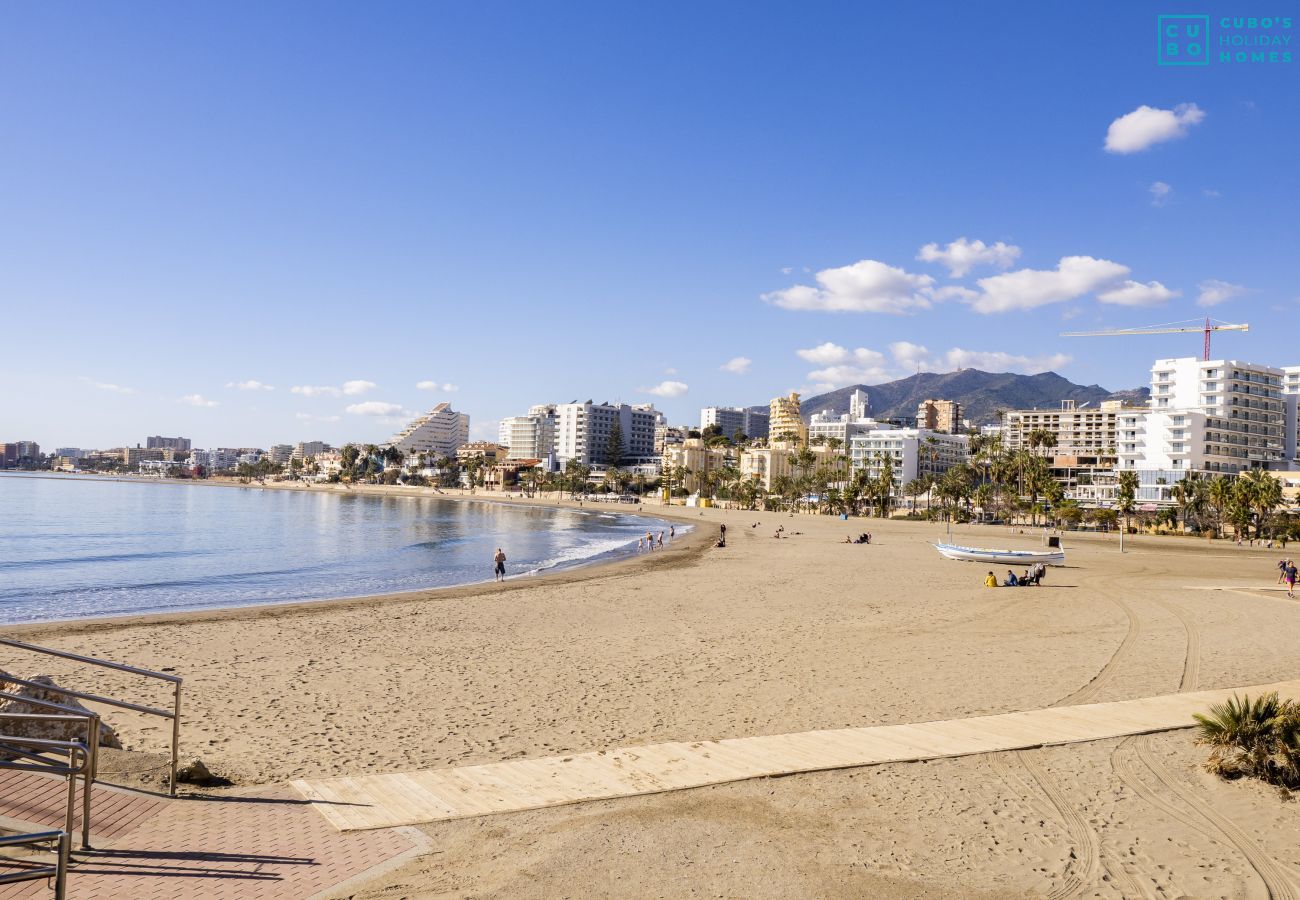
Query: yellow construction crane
{"points": [[1171, 328]]}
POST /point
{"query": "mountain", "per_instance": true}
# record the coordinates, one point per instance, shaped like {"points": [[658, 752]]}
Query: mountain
{"points": [[983, 395]]}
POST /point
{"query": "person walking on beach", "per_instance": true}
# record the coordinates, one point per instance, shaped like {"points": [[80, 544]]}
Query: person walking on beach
{"points": [[661, 539], [672, 531], [1290, 579], [500, 560]]}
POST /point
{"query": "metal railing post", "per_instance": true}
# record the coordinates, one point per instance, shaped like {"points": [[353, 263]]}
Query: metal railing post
{"points": [[176, 736], [61, 873]]}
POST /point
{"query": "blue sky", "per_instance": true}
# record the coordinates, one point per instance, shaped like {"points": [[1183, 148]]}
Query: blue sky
{"points": [[539, 203]]}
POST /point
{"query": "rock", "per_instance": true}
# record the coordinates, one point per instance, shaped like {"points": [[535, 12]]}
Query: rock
{"points": [[45, 729], [195, 772]]}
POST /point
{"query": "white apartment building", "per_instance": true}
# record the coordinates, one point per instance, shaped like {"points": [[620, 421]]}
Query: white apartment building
{"points": [[825, 425], [731, 419], [913, 452], [218, 460], [582, 431], [438, 432], [1290, 400], [1207, 416], [281, 453], [531, 436]]}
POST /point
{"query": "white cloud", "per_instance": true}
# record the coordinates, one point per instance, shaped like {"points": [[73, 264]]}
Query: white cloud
{"points": [[106, 386], [1214, 292], [787, 270], [1073, 277], [1148, 125], [446, 387], [198, 400], [353, 388], [1135, 293], [315, 390], [670, 371], [1211, 193], [998, 361], [825, 354], [842, 366], [737, 366], [910, 356], [378, 408], [960, 256], [667, 389], [249, 385], [864, 286], [1160, 192]]}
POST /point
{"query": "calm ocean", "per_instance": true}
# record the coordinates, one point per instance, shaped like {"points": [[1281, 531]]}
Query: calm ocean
{"points": [[80, 547]]}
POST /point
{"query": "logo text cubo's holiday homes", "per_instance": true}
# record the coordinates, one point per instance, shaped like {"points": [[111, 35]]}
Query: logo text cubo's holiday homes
{"points": [[1199, 40]]}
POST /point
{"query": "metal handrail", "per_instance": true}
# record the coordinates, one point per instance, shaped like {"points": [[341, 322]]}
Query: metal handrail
{"points": [[58, 871], [91, 719], [75, 750], [174, 680]]}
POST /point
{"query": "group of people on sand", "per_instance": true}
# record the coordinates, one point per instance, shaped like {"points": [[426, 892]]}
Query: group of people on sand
{"points": [[864, 538], [1032, 577], [1286, 574]]}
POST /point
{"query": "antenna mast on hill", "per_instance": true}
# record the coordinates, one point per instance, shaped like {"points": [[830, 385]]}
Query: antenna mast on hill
{"points": [[1171, 328]]}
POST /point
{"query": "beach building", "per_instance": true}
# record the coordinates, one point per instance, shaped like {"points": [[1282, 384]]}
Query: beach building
{"points": [[750, 423], [669, 436], [439, 431], [219, 460], [939, 415], [582, 432], [1216, 416], [133, 456], [70, 452], [531, 436], [913, 452], [280, 453], [157, 442], [771, 462], [825, 425], [1085, 448], [486, 451], [785, 420], [698, 459], [1290, 401], [307, 449]]}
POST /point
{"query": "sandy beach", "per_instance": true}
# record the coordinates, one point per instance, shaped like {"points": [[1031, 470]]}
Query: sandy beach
{"points": [[766, 636]]}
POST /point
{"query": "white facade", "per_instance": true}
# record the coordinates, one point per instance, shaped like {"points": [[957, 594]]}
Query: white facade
{"points": [[1208, 416], [531, 436], [1290, 400], [825, 425], [582, 431], [438, 432], [913, 452], [218, 460], [735, 418]]}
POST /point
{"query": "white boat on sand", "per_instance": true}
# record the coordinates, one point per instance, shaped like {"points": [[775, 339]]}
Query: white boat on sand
{"points": [[1054, 556]]}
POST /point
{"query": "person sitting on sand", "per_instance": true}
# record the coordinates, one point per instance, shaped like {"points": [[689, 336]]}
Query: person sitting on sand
{"points": [[990, 580], [1011, 581], [1026, 579]]}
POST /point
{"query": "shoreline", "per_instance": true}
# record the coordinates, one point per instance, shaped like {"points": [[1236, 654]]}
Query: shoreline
{"points": [[692, 543]]}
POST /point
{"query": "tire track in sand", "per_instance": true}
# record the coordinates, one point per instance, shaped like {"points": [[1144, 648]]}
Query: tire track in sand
{"points": [[1192, 657], [1136, 753], [1085, 862], [1104, 675]]}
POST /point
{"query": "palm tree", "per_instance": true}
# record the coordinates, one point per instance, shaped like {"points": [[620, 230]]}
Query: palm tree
{"points": [[915, 488], [1219, 494], [1262, 493], [1125, 498], [1260, 738]]}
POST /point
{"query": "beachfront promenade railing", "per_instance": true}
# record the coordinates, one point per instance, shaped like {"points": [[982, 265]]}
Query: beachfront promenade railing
{"points": [[26, 754], [174, 714], [58, 871]]}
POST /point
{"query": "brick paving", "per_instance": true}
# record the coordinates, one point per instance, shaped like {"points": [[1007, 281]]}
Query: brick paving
{"points": [[268, 844]]}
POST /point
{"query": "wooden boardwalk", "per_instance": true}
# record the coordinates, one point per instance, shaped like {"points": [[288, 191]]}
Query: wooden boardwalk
{"points": [[382, 801]]}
